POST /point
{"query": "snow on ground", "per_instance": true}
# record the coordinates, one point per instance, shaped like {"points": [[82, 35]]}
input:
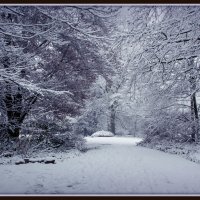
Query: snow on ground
{"points": [[112, 165], [190, 151], [102, 134], [113, 140]]}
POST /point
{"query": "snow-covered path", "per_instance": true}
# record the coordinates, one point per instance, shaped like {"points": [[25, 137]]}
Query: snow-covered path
{"points": [[111, 166]]}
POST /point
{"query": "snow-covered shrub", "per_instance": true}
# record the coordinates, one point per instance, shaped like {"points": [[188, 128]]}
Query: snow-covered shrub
{"points": [[171, 126], [86, 125], [47, 124], [102, 134], [44, 133], [67, 141], [80, 143]]}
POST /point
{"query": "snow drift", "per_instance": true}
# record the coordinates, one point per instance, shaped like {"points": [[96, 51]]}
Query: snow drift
{"points": [[102, 134]]}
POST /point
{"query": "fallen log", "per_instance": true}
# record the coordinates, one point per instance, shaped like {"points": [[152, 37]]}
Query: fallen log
{"points": [[49, 161], [27, 160], [19, 162]]}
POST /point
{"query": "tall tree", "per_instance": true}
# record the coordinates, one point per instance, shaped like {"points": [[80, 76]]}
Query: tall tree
{"points": [[51, 51]]}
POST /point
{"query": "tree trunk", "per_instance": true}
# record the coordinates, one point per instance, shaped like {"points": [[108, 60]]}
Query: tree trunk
{"points": [[14, 110], [12, 100], [194, 118], [193, 104], [135, 126], [111, 123]]}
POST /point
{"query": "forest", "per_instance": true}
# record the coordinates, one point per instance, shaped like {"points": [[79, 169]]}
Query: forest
{"points": [[68, 71]]}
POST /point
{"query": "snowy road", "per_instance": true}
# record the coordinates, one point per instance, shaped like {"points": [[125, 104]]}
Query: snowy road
{"points": [[111, 166]]}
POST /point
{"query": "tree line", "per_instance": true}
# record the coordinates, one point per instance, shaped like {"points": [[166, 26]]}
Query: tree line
{"points": [[79, 69]]}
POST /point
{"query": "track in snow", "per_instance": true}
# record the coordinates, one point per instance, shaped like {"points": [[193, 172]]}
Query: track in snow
{"points": [[110, 166]]}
